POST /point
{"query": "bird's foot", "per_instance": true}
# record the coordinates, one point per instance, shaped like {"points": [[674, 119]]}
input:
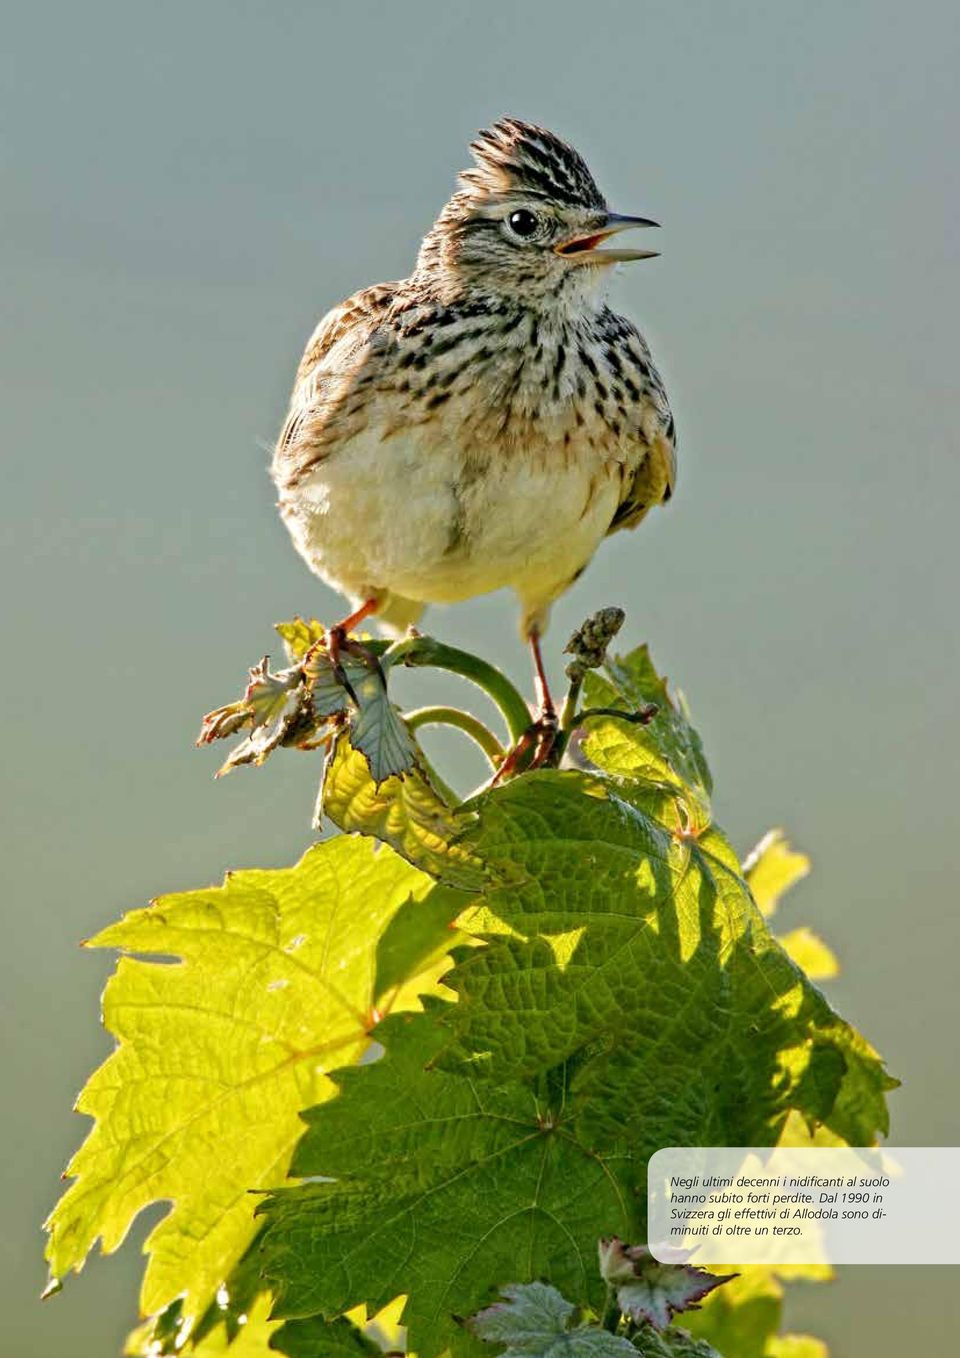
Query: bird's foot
{"points": [[340, 643], [534, 750]]}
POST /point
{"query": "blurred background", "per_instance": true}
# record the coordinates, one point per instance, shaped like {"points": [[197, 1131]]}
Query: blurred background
{"points": [[187, 188]]}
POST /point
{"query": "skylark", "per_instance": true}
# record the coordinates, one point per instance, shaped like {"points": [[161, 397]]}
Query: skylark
{"points": [[488, 420]]}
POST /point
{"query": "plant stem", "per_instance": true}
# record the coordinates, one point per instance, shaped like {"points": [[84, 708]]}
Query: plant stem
{"points": [[610, 1320], [569, 710], [568, 722], [464, 721], [427, 651], [642, 716]]}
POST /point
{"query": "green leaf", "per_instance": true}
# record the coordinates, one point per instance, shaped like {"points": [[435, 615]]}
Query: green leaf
{"points": [[316, 1338], [743, 1320], [616, 990], [295, 706], [442, 1187], [530, 1318], [379, 732], [279, 714], [273, 706], [299, 635], [621, 945], [668, 750], [332, 687], [672, 1343], [647, 1290], [419, 937], [796, 1346], [810, 953], [406, 813], [357, 685], [218, 1051], [161, 1334], [622, 992], [535, 1320], [772, 868], [249, 1340], [258, 1336]]}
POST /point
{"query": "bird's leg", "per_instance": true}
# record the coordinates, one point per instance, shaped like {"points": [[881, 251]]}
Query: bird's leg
{"points": [[535, 746], [548, 713], [547, 725], [339, 642]]}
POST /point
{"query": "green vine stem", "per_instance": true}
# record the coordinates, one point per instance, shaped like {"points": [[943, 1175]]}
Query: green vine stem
{"points": [[464, 721], [418, 651], [568, 713], [610, 1318]]}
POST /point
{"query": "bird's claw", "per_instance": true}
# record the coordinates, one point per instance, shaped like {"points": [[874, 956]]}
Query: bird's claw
{"points": [[338, 643], [534, 749]]}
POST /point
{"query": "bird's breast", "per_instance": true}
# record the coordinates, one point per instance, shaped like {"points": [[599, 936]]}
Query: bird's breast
{"points": [[486, 458]]}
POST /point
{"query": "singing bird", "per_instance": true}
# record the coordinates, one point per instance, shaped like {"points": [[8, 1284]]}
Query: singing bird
{"points": [[487, 421]]}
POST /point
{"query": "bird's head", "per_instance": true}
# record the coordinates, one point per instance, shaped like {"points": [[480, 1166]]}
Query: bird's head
{"points": [[527, 223]]}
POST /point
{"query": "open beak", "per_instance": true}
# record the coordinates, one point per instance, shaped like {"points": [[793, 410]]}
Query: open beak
{"points": [[586, 249]]}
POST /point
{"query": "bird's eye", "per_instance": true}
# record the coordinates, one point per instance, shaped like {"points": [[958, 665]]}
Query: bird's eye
{"points": [[523, 223]]}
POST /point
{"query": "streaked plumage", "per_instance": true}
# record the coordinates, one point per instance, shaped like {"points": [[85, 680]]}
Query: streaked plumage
{"points": [[488, 420]]}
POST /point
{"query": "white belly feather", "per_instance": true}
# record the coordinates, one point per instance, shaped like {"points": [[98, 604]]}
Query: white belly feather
{"points": [[400, 516]]}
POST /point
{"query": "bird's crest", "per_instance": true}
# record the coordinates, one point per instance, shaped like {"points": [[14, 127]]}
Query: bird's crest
{"points": [[512, 156]]}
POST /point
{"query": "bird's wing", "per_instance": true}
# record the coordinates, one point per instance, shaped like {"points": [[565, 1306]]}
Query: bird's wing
{"points": [[651, 473], [337, 369]]}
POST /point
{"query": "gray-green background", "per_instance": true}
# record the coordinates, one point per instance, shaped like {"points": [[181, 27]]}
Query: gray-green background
{"points": [[187, 187]]}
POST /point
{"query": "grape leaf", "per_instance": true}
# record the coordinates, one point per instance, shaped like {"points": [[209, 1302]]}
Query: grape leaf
{"points": [[418, 938], [332, 687], [810, 953], [529, 1317], [621, 977], [620, 991], [673, 1343], [743, 1319], [301, 705], [317, 1338], [667, 750], [258, 1336], [441, 1186], [379, 732], [619, 943], [772, 868], [796, 1346], [535, 1321], [406, 813], [273, 706], [250, 1339], [647, 1290], [218, 1052], [299, 635]]}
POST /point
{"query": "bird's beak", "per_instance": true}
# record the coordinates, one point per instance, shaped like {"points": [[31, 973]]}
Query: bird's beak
{"points": [[586, 249]]}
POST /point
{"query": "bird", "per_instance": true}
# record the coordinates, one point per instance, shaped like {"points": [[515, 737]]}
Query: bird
{"points": [[487, 421]]}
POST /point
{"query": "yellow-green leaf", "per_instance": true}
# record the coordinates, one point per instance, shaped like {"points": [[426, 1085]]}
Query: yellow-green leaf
{"points": [[273, 985], [404, 812], [772, 868], [299, 634], [810, 953]]}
